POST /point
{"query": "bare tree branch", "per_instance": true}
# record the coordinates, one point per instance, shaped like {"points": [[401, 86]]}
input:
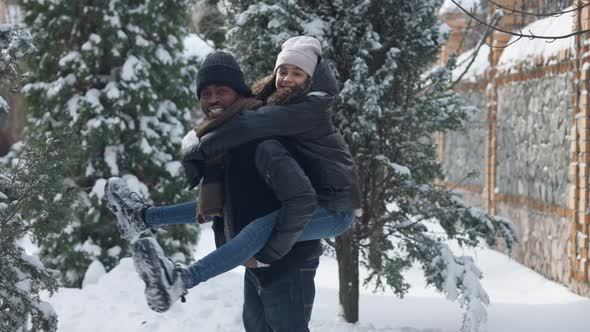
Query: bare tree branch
{"points": [[531, 36], [512, 42], [482, 41], [473, 26]]}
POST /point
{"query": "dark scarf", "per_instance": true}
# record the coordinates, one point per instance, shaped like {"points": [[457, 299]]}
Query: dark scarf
{"points": [[265, 89], [211, 196]]}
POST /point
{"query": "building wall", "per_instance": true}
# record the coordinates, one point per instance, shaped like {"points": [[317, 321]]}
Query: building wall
{"points": [[533, 154], [530, 144], [534, 119], [464, 150]]}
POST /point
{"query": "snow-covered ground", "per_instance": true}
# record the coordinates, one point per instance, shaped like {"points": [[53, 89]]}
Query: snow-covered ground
{"points": [[522, 301]]}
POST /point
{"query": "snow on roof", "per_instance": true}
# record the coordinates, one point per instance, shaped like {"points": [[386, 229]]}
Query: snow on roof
{"points": [[477, 69], [448, 7], [196, 46], [529, 51]]}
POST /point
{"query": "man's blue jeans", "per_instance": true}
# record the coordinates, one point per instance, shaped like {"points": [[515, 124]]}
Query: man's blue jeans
{"points": [[284, 305], [323, 224]]}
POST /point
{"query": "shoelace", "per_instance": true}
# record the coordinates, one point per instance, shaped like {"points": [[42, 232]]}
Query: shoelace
{"points": [[135, 196], [138, 199], [179, 269]]}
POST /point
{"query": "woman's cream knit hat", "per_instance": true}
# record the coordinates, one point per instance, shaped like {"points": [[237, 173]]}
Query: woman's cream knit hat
{"points": [[301, 51]]}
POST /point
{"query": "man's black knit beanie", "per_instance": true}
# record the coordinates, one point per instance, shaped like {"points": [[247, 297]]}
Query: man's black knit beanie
{"points": [[222, 68]]}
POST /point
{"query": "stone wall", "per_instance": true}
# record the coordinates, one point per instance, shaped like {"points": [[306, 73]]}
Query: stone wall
{"points": [[543, 240], [533, 153], [464, 150], [543, 243], [536, 140], [531, 156]]}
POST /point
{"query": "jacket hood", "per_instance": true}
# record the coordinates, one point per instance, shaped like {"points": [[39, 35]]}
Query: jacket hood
{"points": [[323, 79]]}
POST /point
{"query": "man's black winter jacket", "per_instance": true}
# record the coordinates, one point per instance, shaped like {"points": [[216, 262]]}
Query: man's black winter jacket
{"points": [[247, 198]]}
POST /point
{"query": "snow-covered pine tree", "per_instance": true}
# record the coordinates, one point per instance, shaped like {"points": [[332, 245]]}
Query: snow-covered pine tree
{"points": [[390, 105], [112, 72], [15, 43], [257, 30], [211, 22], [22, 275], [34, 202]]}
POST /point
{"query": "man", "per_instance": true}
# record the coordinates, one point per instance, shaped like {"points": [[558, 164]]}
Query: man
{"points": [[259, 177], [279, 297]]}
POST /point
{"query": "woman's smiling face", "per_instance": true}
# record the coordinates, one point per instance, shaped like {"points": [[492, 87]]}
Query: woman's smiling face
{"points": [[289, 76]]}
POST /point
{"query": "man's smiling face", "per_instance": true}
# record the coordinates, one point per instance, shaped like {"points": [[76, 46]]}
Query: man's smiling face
{"points": [[215, 98]]}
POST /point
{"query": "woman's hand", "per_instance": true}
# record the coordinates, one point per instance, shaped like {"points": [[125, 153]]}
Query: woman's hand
{"points": [[252, 263]]}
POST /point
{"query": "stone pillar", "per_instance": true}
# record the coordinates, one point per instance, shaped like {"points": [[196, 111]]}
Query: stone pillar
{"points": [[3, 12], [457, 21], [489, 185], [498, 40], [12, 14], [580, 150], [509, 22]]}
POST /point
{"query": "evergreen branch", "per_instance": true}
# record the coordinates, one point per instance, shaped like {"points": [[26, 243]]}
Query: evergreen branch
{"points": [[449, 190], [21, 199], [4, 313]]}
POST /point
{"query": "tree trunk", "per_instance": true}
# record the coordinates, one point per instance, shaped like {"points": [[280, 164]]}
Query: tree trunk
{"points": [[347, 253], [376, 249]]}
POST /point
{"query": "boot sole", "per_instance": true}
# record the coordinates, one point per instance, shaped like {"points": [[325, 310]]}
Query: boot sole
{"points": [[149, 266], [126, 229]]}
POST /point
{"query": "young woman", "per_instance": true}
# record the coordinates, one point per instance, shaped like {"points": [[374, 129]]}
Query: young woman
{"points": [[298, 96]]}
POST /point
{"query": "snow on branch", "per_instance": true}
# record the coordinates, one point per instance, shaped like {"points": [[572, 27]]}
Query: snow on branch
{"points": [[399, 169], [461, 283], [15, 43]]}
